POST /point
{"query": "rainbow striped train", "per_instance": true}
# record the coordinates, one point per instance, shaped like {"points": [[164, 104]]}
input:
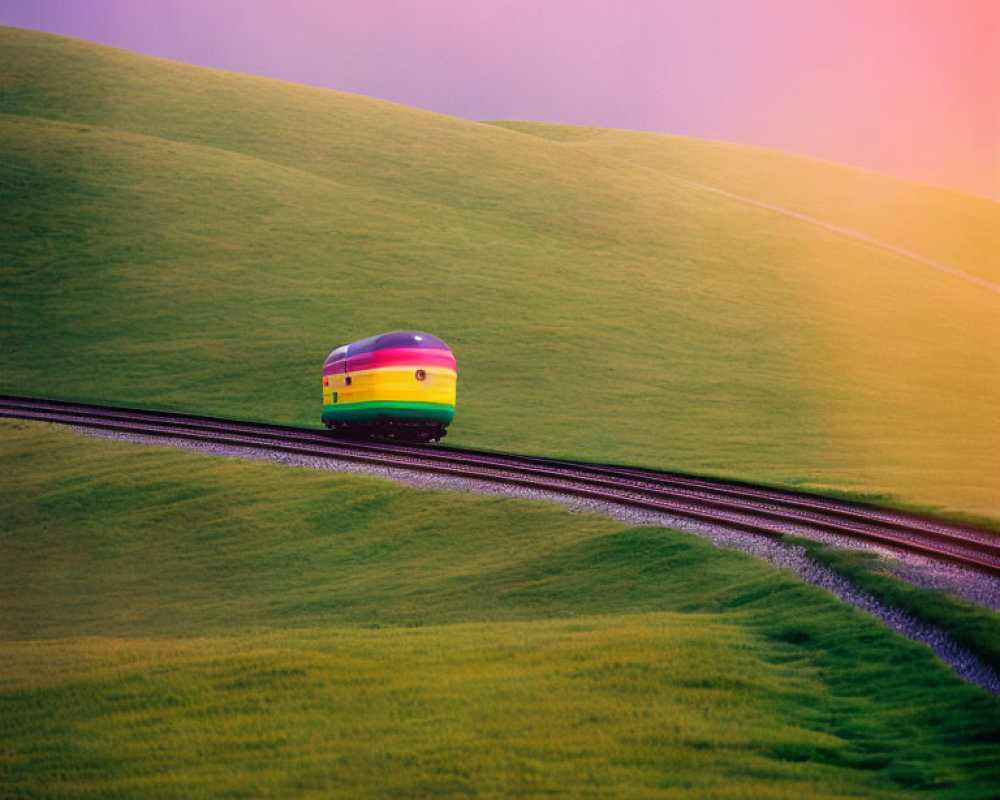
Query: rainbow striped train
{"points": [[398, 385]]}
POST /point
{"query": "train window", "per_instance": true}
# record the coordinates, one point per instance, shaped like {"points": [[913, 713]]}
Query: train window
{"points": [[347, 381], [421, 375]]}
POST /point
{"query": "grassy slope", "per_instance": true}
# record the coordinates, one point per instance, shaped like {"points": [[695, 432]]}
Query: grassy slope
{"points": [[973, 627], [182, 238], [179, 625], [946, 226], [909, 369]]}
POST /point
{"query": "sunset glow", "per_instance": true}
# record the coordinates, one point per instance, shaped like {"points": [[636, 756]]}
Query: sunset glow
{"points": [[908, 87]]}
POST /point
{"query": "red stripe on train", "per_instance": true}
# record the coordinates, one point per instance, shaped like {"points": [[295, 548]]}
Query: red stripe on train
{"points": [[392, 357]]}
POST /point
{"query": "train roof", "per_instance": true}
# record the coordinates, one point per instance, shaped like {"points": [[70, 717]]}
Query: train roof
{"points": [[410, 339]]}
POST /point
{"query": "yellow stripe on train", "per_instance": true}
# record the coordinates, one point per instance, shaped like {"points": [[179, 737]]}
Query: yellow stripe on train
{"points": [[437, 385]]}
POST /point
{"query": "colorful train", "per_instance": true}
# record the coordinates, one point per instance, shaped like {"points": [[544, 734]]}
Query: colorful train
{"points": [[398, 385]]}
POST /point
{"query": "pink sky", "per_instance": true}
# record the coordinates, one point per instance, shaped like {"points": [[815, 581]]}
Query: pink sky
{"points": [[908, 87]]}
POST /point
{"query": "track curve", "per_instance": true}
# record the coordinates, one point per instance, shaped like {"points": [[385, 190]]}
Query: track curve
{"points": [[740, 506]]}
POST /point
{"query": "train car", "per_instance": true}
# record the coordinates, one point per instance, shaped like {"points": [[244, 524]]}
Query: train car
{"points": [[398, 385]]}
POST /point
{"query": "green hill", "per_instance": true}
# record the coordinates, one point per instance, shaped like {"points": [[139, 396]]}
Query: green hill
{"points": [[181, 625], [185, 238]]}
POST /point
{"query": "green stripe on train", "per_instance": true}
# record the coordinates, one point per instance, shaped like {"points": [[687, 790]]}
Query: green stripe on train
{"points": [[363, 412]]}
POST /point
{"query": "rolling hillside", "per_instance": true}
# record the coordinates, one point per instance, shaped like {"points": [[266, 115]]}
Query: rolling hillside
{"points": [[183, 625], [185, 238]]}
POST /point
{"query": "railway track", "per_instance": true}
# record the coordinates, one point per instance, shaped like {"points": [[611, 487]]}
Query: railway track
{"points": [[755, 509]]}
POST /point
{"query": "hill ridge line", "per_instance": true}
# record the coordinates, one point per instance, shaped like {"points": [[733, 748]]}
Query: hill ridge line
{"points": [[107, 130], [127, 133], [840, 230], [583, 145]]}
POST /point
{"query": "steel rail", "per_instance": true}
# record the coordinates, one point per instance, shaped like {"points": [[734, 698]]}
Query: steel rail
{"points": [[746, 507]]}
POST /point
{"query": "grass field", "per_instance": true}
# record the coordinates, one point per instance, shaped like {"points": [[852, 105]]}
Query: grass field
{"points": [[975, 628], [182, 238], [178, 625]]}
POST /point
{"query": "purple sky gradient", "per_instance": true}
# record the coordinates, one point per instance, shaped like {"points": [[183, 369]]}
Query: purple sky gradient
{"points": [[908, 87]]}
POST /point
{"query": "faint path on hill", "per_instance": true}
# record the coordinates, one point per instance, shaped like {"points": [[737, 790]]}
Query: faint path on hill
{"points": [[938, 265]]}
